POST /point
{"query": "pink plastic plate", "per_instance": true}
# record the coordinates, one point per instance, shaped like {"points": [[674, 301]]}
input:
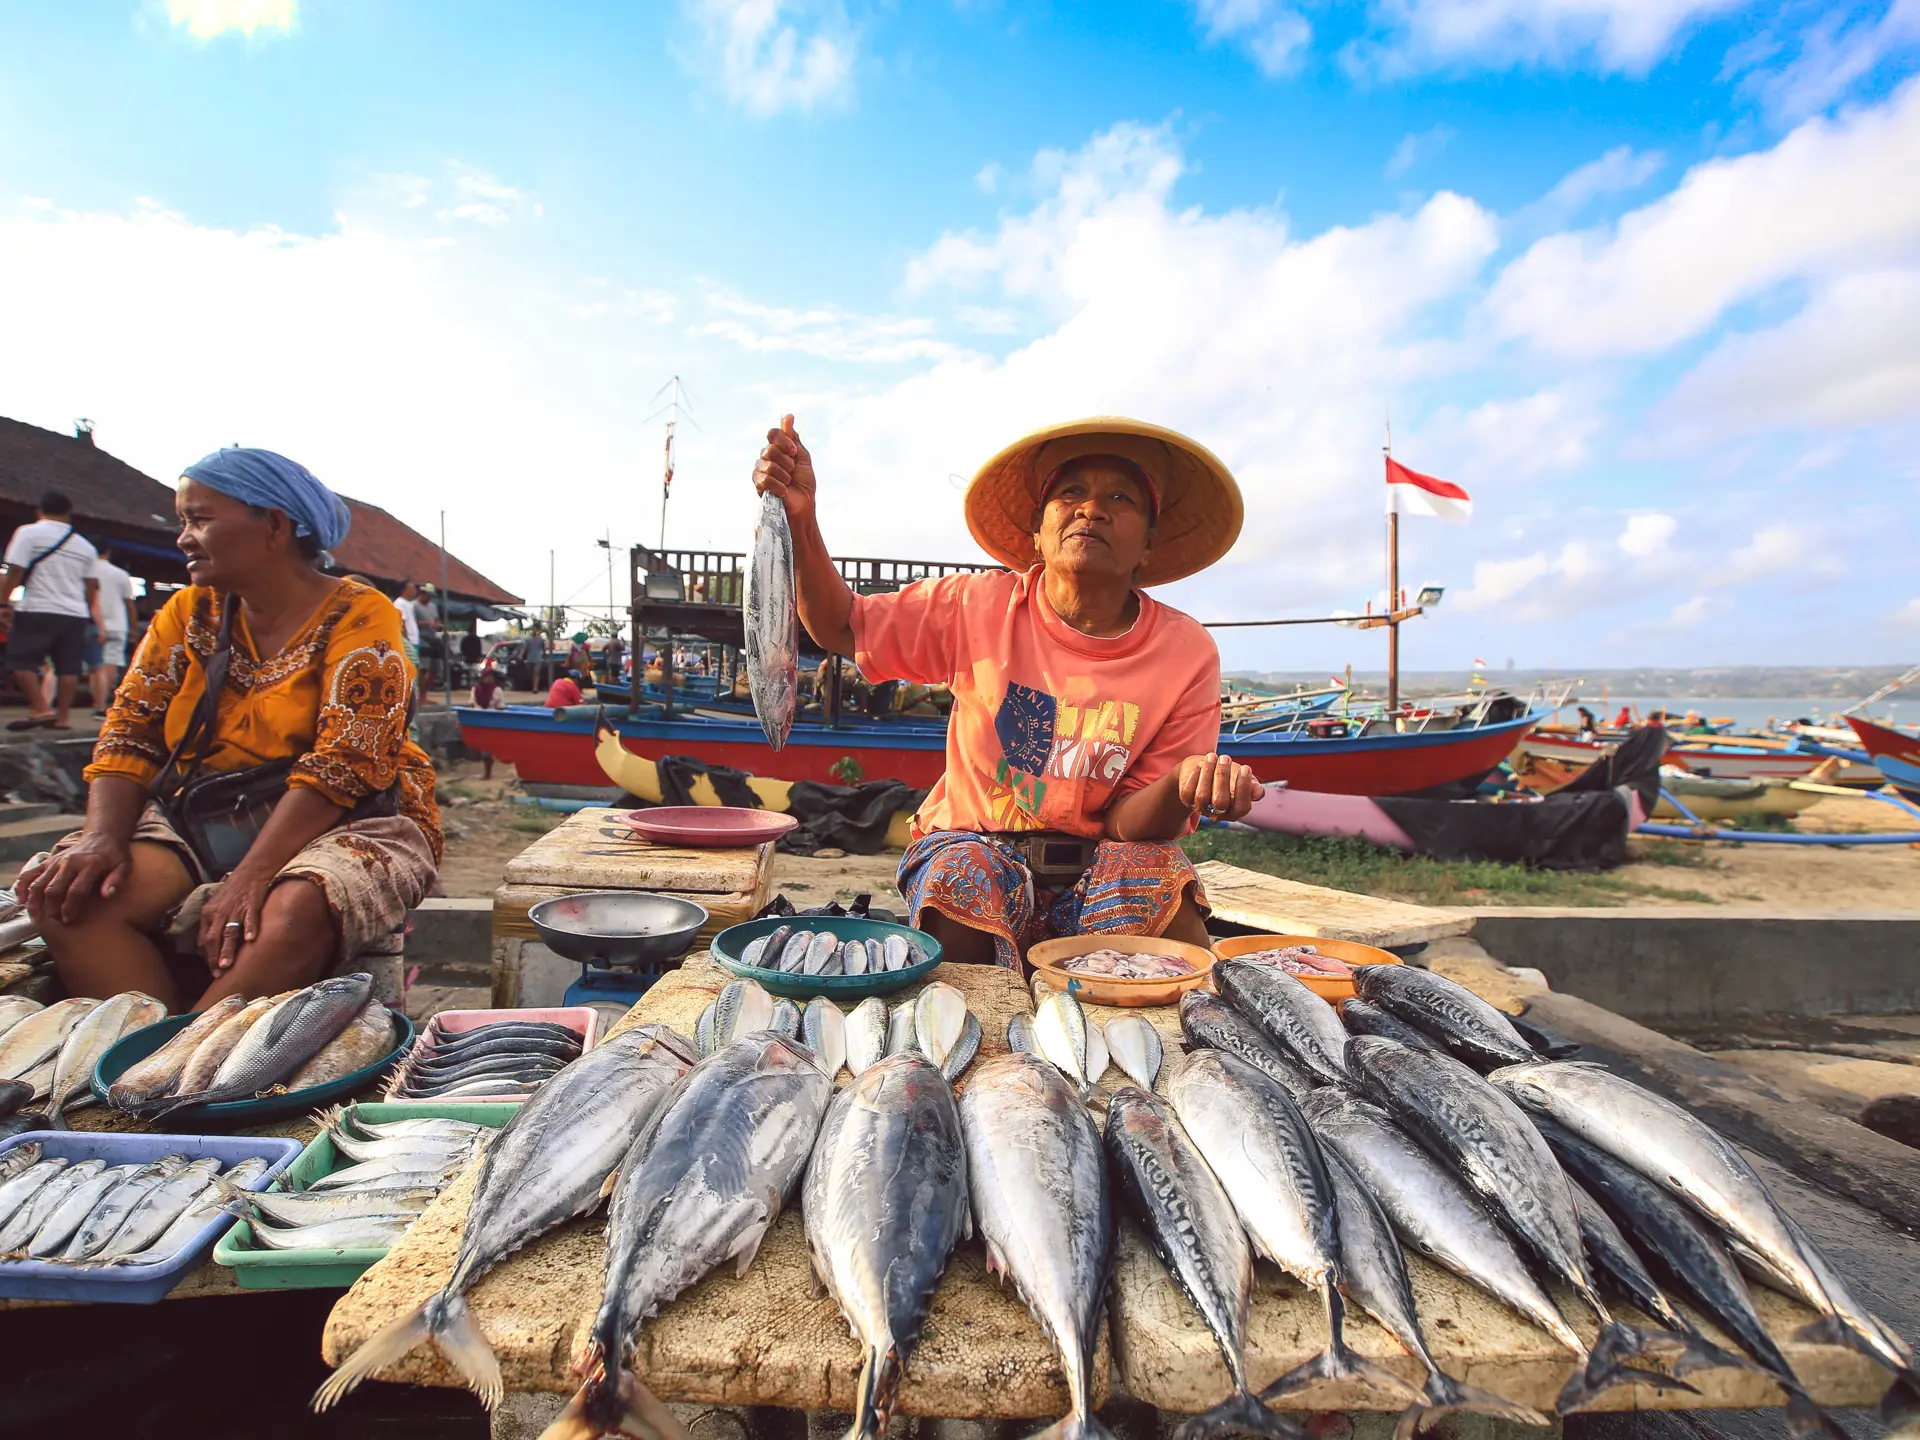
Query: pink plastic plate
{"points": [[709, 825]]}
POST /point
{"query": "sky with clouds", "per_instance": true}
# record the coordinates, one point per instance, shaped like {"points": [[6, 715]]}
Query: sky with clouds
{"points": [[1642, 275]]}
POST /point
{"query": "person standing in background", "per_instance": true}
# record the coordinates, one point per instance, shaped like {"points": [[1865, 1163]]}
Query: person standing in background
{"points": [[51, 564], [534, 651], [117, 622], [409, 628]]}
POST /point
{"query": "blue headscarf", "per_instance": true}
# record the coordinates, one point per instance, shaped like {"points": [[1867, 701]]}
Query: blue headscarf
{"points": [[260, 477]]}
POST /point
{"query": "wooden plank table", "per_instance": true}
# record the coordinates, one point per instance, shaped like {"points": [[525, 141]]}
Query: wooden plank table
{"points": [[765, 1338], [1287, 907]]}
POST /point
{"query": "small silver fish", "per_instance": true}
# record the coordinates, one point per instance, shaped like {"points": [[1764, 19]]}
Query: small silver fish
{"points": [[876, 956], [900, 1032], [742, 1008], [853, 958], [824, 1030], [866, 1033], [1020, 1037], [895, 952], [365, 1232], [703, 1030], [1136, 1048], [825, 945], [939, 1019], [786, 1018], [754, 950], [964, 1049], [793, 955]]}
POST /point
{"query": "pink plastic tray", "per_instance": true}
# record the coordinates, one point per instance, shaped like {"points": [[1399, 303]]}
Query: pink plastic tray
{"points": [[583, 1018], [709, 825]]}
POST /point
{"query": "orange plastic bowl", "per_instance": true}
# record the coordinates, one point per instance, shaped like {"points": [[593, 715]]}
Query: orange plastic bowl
{"points": [[1049, 958], [1332, 990]]}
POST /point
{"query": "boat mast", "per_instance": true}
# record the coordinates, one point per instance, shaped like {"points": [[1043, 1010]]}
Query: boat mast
{"points": [[666, 482], [1393, 588]]}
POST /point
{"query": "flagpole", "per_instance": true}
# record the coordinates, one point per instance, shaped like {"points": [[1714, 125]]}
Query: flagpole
{"points": [[1393, 586]]}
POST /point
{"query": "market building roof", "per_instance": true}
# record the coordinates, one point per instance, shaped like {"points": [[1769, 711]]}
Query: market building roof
{"points": [[113, 500]]}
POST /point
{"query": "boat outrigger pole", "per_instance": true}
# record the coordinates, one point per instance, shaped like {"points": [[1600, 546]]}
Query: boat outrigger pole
{"points": [[1393, 589]]}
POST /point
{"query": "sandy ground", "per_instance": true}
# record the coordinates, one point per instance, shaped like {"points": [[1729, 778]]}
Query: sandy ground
{"points": [[1794, 877]]}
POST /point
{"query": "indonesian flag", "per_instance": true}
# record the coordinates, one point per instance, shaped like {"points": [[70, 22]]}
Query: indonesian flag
{"points": [[1411, 493]]}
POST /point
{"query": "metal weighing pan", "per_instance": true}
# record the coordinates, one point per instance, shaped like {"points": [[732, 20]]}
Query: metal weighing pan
{"points": [[618, 929]]}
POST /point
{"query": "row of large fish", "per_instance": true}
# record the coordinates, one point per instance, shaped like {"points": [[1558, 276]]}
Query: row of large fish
{"points": [[936, 1022], [1322, 1146]]}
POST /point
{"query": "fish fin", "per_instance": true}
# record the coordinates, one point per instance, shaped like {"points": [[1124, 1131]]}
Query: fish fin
{"points": [[1445, 1395], [381, 1349], [1074, 1427], [873, 1401], [748, 1246], [607, 1187], [1699, 1353], [1338, 1362], [997, 1266], [614, 1402], [1900, 1406], [1239, 1414], [1827, 1330], [1598, 1376]]}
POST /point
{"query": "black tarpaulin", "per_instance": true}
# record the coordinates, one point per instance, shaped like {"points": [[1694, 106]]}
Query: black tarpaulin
{"points": [[854, 818], [1583, 826]]}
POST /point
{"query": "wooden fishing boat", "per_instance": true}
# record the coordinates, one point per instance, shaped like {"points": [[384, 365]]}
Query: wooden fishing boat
{"points": [[549, 748], [1896, 752], [1727, 759], [1716, 799]]}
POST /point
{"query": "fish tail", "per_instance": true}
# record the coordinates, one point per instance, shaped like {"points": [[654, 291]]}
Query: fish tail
{"points": [[1338, 1362], [613, 1402], [1699, 1353], [1871, 1339], [1901, 1404], [444, 1319], [873, 1404], [1445, 1395], [1241, 1413], [1805, 1418], [1607, 1367]]}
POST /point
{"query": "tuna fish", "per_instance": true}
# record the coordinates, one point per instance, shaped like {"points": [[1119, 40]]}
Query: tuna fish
{"points": [[548, 1164], [1255, 1140], [1362, 1018], [1190, 1223], [771, 614], [1209, 1023], [885, 1202], [1299, 1023], [1037, 1176], [1060, 1031], [701, 1187], [1472, 1125], [741, 1008], [1374, 1277], [1663, 1141], [940, 1018], [1460, 1020], [901, 1035], [1021, 1039]]}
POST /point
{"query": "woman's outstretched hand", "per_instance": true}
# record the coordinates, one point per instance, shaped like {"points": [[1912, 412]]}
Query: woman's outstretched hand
{"points": [[1218, 786]]}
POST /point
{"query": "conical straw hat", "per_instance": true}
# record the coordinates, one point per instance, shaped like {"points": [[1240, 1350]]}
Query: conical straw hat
{"points": [[1200, 509]]}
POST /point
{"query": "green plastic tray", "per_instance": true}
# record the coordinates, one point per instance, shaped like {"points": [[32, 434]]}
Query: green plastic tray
{"points": [[333, 1269], [728, 944]]}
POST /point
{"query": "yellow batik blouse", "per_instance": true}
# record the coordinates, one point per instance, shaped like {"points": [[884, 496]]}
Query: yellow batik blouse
{"points": [[334, 701]]}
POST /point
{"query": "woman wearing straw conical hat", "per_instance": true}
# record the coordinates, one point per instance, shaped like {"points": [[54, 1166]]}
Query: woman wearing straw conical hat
{"points": [[1086, 718]]}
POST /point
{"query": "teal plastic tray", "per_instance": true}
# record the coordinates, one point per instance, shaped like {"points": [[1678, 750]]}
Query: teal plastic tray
{"points": [[333, 1269], [126, 1053], [728, 944]]}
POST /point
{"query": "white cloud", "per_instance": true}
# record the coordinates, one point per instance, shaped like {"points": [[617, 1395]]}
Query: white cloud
{"points": [[1546, 433], [1417, 148], [481, 199], [824, 331], [1647, 534], [1774, 550], [1691, 612], [1628, 36], [1620, 171], [205, 19], [1850, 357], [1816, 204], [987, 177], [776, 55], [1835, 53], [1275, 34], [1908, 614]]}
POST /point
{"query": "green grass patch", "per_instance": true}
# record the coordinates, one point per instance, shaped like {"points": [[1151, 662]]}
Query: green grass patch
{"points": [[1348, 864], [537, 824], [1676, 854]]}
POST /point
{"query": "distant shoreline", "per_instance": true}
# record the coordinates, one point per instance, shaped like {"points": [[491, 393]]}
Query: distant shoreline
{"points": [[1808, 685]]}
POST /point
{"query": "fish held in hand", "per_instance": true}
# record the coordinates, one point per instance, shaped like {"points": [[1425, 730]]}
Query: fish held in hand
{"points": [[1255, 1140], [548, 1164], [885, 1201], [1189, 1221], [1037, 1176], [771, 612]]}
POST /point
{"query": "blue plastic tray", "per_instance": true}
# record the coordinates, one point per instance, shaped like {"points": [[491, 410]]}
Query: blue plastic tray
{"points": [[134, 1284], [728, 944], [127, 1052]]}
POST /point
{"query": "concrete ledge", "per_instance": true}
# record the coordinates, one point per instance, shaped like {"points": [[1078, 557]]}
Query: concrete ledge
{"points": [[1671, 963], [450, 932]]}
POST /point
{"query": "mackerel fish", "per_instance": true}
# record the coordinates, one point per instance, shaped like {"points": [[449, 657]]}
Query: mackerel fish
{"points": [[1663, 1141], [1255, 1140], [699, 1188], [1210, 1023], [1470, 1123], [1037, 1176], [772, 621], [885, 1203], [1360, 1017], [547, 1165], [1301, 1024], [1469, 1028], [1190, 1223]]}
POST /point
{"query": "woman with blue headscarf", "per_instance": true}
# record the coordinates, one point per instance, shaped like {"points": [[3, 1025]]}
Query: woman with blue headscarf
{"points": [[308, 728]]}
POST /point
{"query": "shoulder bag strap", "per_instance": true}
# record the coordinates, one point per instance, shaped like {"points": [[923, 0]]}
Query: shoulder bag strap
{"points": [[198, 738], [34, 564]]}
